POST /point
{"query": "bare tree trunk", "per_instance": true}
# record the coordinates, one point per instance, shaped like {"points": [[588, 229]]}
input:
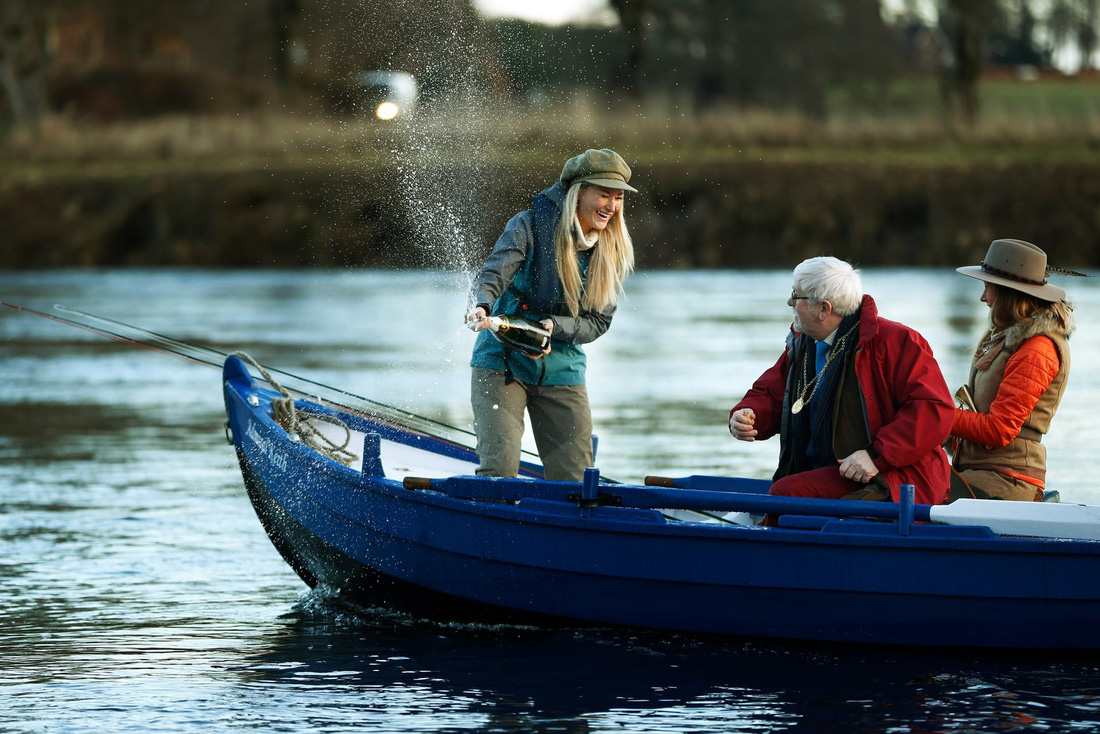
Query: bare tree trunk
{"points": [[283, 13], [968, 20], [23, 62], [632, 18], [1086, 35]]}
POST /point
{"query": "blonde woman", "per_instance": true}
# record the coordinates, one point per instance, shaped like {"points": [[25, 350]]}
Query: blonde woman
{"points": [[562, 263]]}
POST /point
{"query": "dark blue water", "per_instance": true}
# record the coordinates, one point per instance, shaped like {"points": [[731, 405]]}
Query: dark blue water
{"points": [[140, 593]]}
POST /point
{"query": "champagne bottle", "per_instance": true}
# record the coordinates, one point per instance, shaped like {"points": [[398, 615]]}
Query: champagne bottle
{"points": [[520, 333]]}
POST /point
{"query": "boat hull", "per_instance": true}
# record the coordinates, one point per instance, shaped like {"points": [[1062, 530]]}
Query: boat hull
{"points": [[375, 542]]}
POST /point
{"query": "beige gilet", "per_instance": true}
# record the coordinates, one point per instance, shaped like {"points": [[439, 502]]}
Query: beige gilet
{"points": [[1023, 454]]}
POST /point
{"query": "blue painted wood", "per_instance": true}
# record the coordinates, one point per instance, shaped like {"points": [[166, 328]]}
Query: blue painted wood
{"points": [[907, 509], [528, 547]]}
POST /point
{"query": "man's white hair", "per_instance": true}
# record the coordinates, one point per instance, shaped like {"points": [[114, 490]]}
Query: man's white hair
{"points": [[830, 279]]}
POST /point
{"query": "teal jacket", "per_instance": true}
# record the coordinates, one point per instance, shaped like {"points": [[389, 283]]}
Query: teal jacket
{"points": [[511, 283]]}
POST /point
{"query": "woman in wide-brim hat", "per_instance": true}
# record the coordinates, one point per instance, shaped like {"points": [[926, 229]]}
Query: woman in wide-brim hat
{"points": [[1017, 377], [561, 263]]}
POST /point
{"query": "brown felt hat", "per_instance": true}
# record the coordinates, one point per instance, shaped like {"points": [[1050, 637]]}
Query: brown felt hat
{"points": [[600, 167], [1018, 265]]}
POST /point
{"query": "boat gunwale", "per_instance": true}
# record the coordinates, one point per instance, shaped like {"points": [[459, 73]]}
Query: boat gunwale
{"points": [[611, 518]]}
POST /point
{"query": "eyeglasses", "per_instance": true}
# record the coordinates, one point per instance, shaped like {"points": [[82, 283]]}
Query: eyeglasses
{"points": [[796, 297]]}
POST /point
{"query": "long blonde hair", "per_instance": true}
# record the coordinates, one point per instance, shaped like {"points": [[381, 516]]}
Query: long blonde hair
{"points": [[612, 259]]}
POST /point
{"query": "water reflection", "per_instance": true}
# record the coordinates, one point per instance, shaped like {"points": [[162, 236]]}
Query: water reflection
{"points": [[525, 679], [141, 593]]}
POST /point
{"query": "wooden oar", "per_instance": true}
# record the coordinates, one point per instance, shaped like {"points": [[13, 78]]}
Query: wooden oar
{"points": [[705, 481], [624, 495], [1027, 519]]}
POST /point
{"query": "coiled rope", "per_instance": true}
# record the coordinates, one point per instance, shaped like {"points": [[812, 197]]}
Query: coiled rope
{"points": [[299, 423]]}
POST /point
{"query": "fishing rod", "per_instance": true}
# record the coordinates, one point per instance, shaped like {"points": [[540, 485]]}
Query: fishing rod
{"points": [[208, 357]]}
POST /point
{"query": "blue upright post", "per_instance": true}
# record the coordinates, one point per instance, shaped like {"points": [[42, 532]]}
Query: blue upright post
{"points": [[372, 456], [590, 487], [906, 508]]}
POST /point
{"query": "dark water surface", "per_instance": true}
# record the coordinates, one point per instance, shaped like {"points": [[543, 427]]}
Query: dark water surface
{"points": [[140, 593]]}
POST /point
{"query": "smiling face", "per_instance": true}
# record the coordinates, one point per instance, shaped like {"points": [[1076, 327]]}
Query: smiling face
{"points": [[596, 206]]}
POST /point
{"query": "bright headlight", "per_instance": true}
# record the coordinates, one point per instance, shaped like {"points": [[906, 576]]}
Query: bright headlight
{"points": [[387, 111]]}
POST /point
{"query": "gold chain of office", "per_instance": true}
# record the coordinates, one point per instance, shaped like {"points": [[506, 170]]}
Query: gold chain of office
{"points": [[809, 385]]}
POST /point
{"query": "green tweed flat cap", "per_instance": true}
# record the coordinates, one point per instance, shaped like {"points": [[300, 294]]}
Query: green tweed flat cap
{"points": [[600, 167]]}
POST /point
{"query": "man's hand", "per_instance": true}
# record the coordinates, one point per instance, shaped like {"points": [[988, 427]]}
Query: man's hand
{"points": [[743, 425], [859, 467]]}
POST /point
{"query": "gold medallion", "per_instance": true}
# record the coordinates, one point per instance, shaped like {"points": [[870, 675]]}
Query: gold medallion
{"points": [[797, 405]]}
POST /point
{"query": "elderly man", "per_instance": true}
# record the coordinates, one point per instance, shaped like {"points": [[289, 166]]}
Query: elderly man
{"points": [[859, 402]]}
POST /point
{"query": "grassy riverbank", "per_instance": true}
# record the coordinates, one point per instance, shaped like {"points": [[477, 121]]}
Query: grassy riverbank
{"points": [[719, 189], [1052, 117]]}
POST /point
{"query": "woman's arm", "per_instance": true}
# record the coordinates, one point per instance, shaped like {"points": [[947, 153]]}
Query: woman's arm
{"points": [[1027, 376], [583, 329], [507, 257]]}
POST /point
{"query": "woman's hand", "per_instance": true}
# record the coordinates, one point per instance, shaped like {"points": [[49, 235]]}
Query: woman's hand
{"points": [[477, 319], [549, 326]]}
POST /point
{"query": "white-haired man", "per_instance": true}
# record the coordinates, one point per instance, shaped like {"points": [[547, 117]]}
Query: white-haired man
{"points": [[859, 402]]}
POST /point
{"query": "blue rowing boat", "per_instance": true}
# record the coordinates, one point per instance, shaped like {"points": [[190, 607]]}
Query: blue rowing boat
{"points": [[400, 520]]}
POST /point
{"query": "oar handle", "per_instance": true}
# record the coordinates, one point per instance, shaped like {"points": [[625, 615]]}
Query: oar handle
{"points": [[622, 495]]}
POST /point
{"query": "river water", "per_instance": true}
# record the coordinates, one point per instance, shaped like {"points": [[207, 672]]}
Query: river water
{"points": [[140, 593]]}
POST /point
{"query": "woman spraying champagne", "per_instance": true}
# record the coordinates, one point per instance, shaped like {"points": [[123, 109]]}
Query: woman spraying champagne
{"points": [[560, 264]]}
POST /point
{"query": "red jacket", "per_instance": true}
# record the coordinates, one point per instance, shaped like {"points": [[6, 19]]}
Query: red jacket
{"points": [[908, 408]]}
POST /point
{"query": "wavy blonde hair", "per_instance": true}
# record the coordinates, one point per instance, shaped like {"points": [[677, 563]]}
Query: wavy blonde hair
{"points": [[612, 259]]}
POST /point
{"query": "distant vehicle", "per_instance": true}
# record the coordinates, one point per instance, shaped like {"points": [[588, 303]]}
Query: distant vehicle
{"points": [[388, 94]]}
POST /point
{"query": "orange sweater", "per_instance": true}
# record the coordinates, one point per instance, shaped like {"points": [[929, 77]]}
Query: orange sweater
{"points": [[1027, 375]]}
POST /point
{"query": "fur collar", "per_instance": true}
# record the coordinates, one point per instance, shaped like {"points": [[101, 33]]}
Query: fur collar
{"points": [[1043, 322], [1011, 338]]}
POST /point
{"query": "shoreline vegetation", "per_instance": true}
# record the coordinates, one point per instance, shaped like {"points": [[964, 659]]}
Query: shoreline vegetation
{"points": [[722, 188]]}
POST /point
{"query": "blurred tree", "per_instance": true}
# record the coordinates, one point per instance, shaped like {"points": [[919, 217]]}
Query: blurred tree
{"points": [[244, 39], [700, 54], [1012, 35], [965, 23], [113, 58], [283, 15], [1077, 22], [124, 58], [632, 15], [23, 62], [783, 53]]}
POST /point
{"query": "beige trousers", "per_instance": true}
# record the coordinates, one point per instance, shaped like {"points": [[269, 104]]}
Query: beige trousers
{"points": [[561, 421], [1001, 487]]}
